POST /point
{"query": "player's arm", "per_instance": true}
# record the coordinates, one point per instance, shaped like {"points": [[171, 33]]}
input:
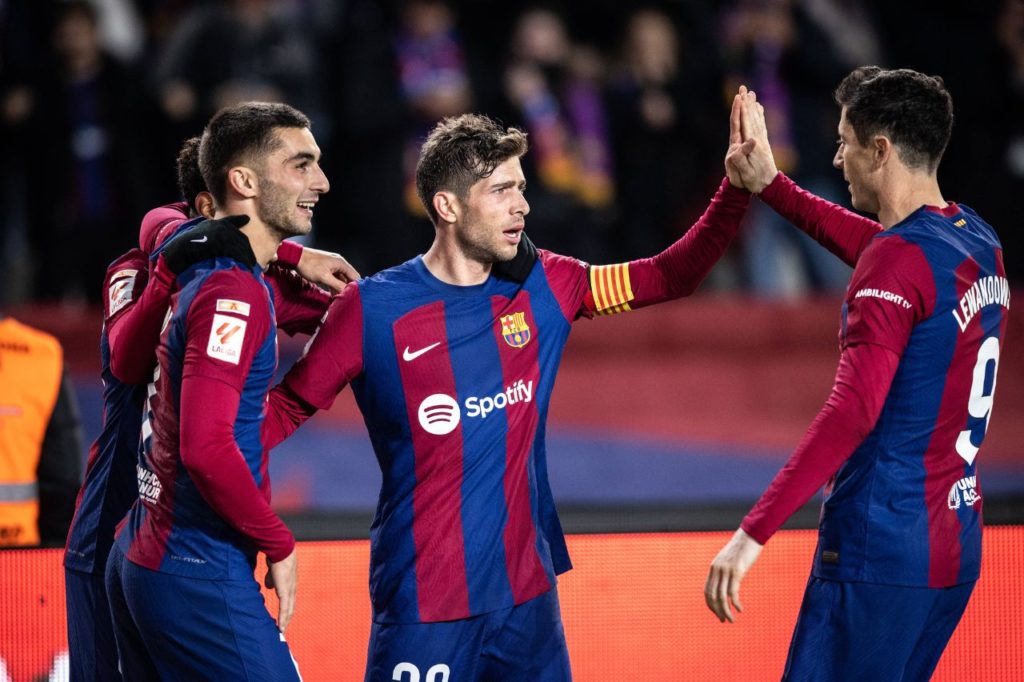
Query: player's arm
{"points": [[160, 222], [324, 268], [676, 271], [213, 378], [130, 314], [878, 329], [843, 232], [298, 304], [333, 358], [133, 344]]}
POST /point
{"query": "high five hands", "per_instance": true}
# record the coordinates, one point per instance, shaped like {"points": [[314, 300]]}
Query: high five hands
{"points": [[749, 162]]}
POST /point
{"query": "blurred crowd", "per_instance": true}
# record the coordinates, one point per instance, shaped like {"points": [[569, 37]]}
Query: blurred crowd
{"points": [[626, 107]]}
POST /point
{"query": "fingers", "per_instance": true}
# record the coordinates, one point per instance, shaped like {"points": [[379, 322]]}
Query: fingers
{"points": [[735, 134], [285, 579], [716, 594], [346, 272], [332, 282]]}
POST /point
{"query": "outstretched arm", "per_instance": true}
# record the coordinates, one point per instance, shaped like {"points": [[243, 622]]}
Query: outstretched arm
{"points": [[333, 358], [676, 271]]}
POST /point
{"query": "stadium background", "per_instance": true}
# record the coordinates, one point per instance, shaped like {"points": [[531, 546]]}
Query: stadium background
{"points": [[665, 424]]}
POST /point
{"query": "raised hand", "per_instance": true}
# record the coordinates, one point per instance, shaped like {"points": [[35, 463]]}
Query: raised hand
{"points": [[754, 128], [737, 167]]}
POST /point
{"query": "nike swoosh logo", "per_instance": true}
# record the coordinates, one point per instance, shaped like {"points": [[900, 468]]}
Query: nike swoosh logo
{"points": [[200, 241], [407, 356]]}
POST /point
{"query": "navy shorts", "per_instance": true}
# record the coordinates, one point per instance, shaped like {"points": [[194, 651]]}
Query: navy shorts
{"points": [[170, 627], [92, 651], [861, 631], [522, 643]]}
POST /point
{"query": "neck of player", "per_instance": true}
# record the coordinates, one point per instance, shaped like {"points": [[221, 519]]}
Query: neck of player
{"points": [[906, 192], [448, 262], [262, 238]]}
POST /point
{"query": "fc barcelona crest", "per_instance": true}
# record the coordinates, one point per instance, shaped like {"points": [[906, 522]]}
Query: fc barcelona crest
{"points": [[515, 330]]}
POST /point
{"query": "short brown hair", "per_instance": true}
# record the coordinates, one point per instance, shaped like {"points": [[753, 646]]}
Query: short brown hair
{"points": [[460, 151]]}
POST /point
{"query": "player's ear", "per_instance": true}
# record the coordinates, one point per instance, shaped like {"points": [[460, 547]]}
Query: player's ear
{"points": [[243, 180], [881, 150], [447, 206], [204, 205]]}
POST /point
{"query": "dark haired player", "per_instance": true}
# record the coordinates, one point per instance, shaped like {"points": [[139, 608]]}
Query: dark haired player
{"points": [[453, 368], [111, 483], [899, 546]]}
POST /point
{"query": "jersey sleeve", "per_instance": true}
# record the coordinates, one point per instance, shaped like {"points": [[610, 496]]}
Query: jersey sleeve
{"points": [[289, 254], [227, 323], [844, 233], [134, 305], [848, 416], [156, 222], [890, 291], [675, 272], [299, 305], [334, 356]]}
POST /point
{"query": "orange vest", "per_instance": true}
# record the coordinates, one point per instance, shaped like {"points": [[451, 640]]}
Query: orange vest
{"points": [[31, 364]]}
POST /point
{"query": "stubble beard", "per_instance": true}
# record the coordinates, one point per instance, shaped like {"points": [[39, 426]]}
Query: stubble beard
{"points": [[276, 211]]}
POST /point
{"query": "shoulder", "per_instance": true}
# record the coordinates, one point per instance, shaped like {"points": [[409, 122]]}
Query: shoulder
{"points": [[229, 288], [125, 277], [36, 341], [155, 223]]}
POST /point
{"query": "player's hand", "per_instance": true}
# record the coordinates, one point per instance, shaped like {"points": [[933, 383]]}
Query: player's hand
{"points": [[210, 239], [726, 574], [762, 168], [283, 577], [327, 269], [737, 166]]}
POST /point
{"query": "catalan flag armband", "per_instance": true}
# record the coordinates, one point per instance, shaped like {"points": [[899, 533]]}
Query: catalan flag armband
{"points": [[611, 288]]}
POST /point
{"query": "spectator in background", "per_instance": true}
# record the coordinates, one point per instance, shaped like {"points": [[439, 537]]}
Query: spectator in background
{"points": [[40, 439], [776, 48], [84, 167], [555, 89], [664, 113], [230, 52], [433, 77]]}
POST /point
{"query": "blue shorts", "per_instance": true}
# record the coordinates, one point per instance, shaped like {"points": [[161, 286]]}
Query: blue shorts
{"points": [[861, 631], [92, 651], [170, 627], [522, 643]]}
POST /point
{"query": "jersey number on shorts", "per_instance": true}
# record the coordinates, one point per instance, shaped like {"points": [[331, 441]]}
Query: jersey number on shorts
{"points": [[437, 673], [979, 405]]}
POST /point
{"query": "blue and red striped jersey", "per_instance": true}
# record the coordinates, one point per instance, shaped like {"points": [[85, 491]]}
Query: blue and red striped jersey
{"points": [[108, 489], [905, 508], [454, 384], [219, 333], [109, 486]]}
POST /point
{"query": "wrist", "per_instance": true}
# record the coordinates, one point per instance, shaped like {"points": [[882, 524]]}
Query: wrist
{"points": [[289, 254]]}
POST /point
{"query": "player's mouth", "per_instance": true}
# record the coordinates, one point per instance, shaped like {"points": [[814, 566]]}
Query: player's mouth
{"points": [[512, 234], [307, 207]]}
